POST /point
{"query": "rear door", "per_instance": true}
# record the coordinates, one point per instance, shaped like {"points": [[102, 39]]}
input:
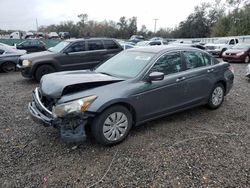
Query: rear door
{"points": [[200, 76], [112, 48], [96, 52]]}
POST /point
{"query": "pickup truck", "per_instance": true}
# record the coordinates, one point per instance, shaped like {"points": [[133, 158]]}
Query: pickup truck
{"points": [[219, 46]]}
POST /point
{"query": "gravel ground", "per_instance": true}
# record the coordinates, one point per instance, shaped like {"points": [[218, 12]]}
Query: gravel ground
{"points": [[195, 148]]}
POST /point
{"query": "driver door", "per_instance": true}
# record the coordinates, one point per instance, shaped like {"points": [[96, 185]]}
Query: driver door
{"points": [[168, 95]]}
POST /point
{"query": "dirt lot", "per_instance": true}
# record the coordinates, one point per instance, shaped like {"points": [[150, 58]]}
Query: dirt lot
{"points": [[195, 148]]}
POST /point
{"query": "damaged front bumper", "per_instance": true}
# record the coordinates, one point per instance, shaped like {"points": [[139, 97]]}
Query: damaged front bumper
{"points": [[72, 128]]}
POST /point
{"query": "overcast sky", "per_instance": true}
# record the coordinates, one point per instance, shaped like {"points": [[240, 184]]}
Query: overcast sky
{"points": [[22, 14]]}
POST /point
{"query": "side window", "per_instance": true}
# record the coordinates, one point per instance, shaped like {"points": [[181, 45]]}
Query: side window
{"points": [[76, 47], [109, 44], [95, 45], [168, 63], [232, 42], [196, 59], [155, 43], [207, 59], [1, 52], [237, 41]]}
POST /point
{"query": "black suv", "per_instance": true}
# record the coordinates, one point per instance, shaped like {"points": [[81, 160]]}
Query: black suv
{"points": [[32, 46], [74, 54]]}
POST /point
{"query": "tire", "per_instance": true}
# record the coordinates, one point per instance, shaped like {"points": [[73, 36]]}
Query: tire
{"points": [[8, 67], [104, 129], [247, 59], [216, 97], [42, 70]]}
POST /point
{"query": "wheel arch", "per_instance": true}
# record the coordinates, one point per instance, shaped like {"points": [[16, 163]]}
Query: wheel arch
{"points": [[37, 65], [223, 82], [127, 105]]}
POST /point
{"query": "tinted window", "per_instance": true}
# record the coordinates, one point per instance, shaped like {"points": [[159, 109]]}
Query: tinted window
{"points": [[95, 45], [168, 63], [1, 51], [76, 47], [155, 43], [231, 41], [196, 59], [237, 41], [110, 44]]}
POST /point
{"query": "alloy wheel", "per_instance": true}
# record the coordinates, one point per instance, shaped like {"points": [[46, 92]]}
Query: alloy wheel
{"points": [[217, 96]]}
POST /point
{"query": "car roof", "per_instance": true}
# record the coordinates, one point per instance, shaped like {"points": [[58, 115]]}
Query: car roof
{"points": [[92, 38], [160, 48]]}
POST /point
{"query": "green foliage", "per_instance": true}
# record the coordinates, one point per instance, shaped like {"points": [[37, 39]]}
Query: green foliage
{"points": [[235, 23]]}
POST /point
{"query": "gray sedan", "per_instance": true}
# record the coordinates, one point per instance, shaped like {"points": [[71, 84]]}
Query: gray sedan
{"points": [[133, 87], [9, 57]]}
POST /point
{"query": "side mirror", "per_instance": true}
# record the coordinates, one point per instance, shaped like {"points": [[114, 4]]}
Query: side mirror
{"points": [[156, 76]]}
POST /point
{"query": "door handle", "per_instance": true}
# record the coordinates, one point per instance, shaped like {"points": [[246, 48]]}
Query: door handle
{"points": [[210, 70], [180, 79]]}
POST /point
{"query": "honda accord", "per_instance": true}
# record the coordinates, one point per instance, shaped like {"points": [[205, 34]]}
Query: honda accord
{"points": [[135, 86]]}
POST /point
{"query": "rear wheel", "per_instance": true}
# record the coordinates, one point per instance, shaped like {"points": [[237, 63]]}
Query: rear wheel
{"points": [[112, 125], [8, 67], [247, 59], [42, 70], [216, 97]]}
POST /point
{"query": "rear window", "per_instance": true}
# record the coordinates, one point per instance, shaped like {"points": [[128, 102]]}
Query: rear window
{"points": [[110, 44], [95, 45]]}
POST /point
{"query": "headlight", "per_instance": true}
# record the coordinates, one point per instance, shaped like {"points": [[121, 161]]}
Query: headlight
{"points": [[73, 107], [240, 53], [27, 63]]}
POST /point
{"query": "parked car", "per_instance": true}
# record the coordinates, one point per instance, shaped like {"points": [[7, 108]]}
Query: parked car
{"points": [[73, 54], [64, 35], [9, 57], [135, 86], [126, 46], [32, 45], [151, 43], [53, 35], [238, 53], [136, 38], [221, 45]]}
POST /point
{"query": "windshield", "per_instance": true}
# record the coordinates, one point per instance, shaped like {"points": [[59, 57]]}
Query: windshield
{"points": [[125, 64], [221, 41], [59, 47], [241, 46]]}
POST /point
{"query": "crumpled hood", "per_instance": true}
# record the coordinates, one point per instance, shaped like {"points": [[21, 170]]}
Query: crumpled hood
{"points": [[55, 84]]}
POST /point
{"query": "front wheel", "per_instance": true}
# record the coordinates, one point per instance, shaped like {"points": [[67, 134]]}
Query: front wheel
{"points": [[8, 67], [42, 70], [216, 97], [112, 125]]}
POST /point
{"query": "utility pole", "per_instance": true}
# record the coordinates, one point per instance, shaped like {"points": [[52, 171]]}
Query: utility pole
{"points": [[36, 25], [155, 24]]}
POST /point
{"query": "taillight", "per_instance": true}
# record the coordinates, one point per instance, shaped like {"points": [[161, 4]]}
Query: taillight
{"points": [[231, 68]]}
